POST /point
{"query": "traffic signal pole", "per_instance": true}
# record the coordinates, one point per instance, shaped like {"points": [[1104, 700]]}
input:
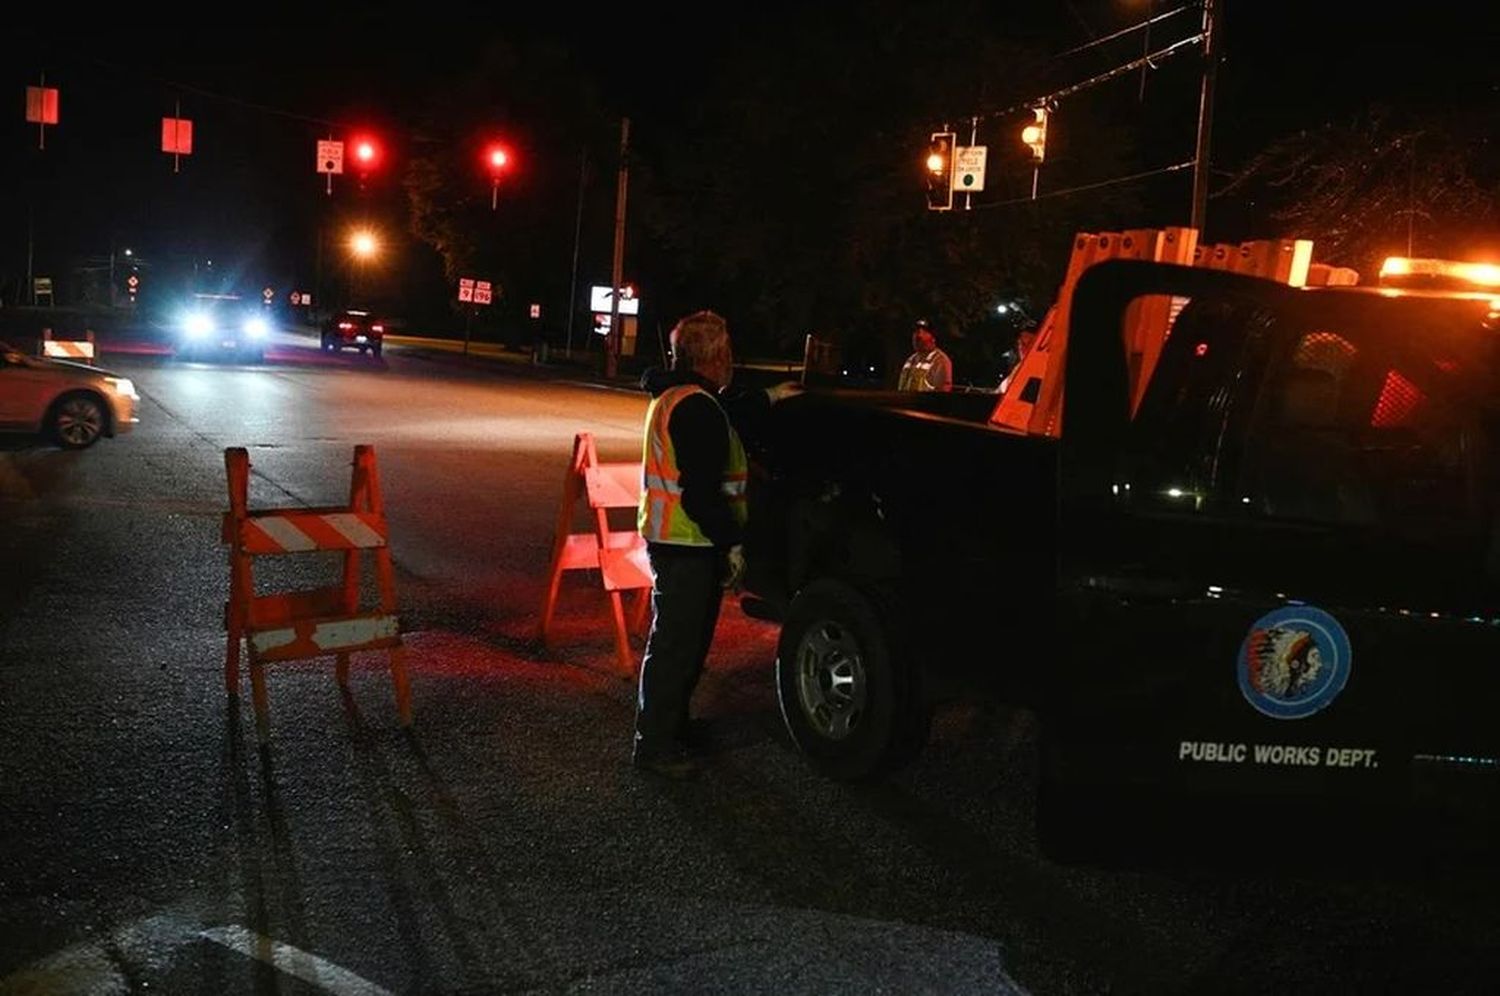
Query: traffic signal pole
{"points": [[612, 352], [1205, 114]]}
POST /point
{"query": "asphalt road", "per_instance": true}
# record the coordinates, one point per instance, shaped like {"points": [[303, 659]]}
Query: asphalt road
{"points": [[504, 844]]}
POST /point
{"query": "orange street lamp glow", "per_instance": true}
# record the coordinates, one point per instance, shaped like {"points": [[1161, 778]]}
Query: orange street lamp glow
{"points": [[364, 244]]}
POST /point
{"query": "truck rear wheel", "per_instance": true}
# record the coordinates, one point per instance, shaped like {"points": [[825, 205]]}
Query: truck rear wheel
{"points": [[848, 694]]}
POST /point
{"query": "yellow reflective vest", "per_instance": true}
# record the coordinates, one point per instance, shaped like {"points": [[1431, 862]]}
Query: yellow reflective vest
{"points": [[661, 517]]}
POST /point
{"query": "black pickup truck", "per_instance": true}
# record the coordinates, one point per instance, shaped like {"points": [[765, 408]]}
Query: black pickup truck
{"points": [[1278, 579]]}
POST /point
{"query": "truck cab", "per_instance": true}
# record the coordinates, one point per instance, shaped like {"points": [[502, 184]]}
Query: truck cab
{"points": [[1265, 574]]}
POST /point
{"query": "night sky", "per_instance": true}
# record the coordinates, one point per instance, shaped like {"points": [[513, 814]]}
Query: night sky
{"points": [[262, 85]]}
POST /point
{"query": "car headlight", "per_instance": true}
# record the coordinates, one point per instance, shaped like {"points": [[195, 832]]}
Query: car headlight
{"points": [[122, 385], [197, 325], [257, 327]]}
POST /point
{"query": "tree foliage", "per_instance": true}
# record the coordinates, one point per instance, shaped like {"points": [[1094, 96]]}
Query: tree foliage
{"points": [[1387, 182]]}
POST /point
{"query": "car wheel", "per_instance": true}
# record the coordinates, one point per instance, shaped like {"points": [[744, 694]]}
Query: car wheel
{"points": [[376, 349], [848, 694], [77, 421]]}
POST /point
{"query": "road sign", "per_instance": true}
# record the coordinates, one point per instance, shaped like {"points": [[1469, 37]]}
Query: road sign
{"points": [[132, 282], [599, 300], [268, 295], [41, 104], [465, 289], [482, 292], [968, 168], [536, 311], [330, 156], [177, 136]]}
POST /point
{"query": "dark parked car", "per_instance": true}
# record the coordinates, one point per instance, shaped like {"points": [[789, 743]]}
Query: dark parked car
{"points": [[361, 330]]}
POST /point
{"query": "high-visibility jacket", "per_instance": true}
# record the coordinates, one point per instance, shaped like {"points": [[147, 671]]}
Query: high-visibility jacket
{"points": [[661, 517], [926, 372]]}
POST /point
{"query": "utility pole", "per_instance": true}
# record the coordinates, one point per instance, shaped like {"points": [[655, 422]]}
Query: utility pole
{"points": [[1205, 115], [583, 168], [612, 350], [30, 294]]}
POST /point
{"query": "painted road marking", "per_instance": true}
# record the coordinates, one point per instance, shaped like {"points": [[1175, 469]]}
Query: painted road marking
{"points": [[100, 968], [293, 961]]}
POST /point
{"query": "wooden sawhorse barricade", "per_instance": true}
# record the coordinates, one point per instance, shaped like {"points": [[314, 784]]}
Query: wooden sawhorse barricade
{"points": [[320, 622], [619, 556]]}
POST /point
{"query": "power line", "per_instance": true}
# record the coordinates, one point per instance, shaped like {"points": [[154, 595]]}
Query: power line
{"points": [[1125, 31], [1150, 59], [1175, 167], [202, 92]]}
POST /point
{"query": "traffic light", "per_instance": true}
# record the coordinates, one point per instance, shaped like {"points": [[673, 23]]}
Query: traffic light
{"points": [[1035, 134], [940, 171], [496, 158], [496, 161], [366, 154]]}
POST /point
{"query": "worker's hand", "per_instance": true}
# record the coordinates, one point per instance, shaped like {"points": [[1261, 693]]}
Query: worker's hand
{"points": [[734, 572], [779, 392]]}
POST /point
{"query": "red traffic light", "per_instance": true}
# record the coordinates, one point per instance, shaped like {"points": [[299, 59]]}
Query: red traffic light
{"points": [[366, 153], [496, 158]]}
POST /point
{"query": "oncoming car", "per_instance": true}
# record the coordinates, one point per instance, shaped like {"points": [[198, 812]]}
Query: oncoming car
{"points": [[222, 325], [361, 330], [73, 404]]}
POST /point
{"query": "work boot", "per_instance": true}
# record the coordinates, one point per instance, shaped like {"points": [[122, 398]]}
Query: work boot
{"points": [[676, 765]]}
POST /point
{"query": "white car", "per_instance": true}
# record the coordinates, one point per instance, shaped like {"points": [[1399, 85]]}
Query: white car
{"points": [[72, 403]]}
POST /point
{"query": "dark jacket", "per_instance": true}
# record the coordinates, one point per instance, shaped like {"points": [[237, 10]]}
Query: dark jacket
{"points": [[700, 437]]}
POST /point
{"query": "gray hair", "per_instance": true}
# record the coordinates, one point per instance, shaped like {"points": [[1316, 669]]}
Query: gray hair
{"points": [[699, 340]]}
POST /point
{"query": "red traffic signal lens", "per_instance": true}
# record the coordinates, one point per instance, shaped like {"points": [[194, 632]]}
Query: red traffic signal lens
{"points": [[496, 159], [366, 152]]}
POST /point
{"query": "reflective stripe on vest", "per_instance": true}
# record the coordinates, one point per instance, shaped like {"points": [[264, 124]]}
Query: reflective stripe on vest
{"points": [[661, 518], [914, 373]]}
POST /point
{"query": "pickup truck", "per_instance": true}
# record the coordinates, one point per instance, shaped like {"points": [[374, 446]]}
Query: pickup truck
{"points": [[1274, 580]]}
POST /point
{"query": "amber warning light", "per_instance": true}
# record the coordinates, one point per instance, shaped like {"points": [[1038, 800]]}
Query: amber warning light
{"points": [[1410, 271]]}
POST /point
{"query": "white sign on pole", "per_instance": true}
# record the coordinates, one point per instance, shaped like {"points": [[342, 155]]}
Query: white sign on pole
{"points": [[482, 292], [599, 300], [968, 168], [330, 156], [465, 289]]}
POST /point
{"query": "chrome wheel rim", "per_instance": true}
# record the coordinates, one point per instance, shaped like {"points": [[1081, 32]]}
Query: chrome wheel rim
{"points": [[831, 682], [79, 422]]}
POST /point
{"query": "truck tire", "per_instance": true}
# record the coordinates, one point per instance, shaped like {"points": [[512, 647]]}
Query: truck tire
{"points": [[848, 694]]}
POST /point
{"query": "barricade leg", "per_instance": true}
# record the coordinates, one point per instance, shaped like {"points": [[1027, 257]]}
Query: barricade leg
{"points": [[622, 635], [642, 610], [403, 684], [232, 658], [258, 694]]}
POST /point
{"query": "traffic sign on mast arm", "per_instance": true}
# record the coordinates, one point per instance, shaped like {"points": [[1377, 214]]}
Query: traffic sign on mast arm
{"points": [[968, 168]]}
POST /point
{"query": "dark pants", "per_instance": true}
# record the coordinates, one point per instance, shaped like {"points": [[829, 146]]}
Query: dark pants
{"points": [[685, 600]]}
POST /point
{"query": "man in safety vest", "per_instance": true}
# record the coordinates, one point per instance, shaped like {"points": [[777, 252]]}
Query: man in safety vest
{"points": [[927, 368], [692, 516]]}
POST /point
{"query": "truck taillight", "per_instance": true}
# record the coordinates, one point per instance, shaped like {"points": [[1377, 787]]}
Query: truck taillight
{"points": [[377, 328], [346, 326]]}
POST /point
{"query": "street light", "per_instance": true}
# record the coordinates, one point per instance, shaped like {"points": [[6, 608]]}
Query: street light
{"points": [[364, 243], [364, 246]]}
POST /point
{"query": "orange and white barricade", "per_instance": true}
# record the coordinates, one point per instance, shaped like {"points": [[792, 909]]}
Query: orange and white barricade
{"points": [[618, 555], [69, 349], [317, 623], [1033, 401]]}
